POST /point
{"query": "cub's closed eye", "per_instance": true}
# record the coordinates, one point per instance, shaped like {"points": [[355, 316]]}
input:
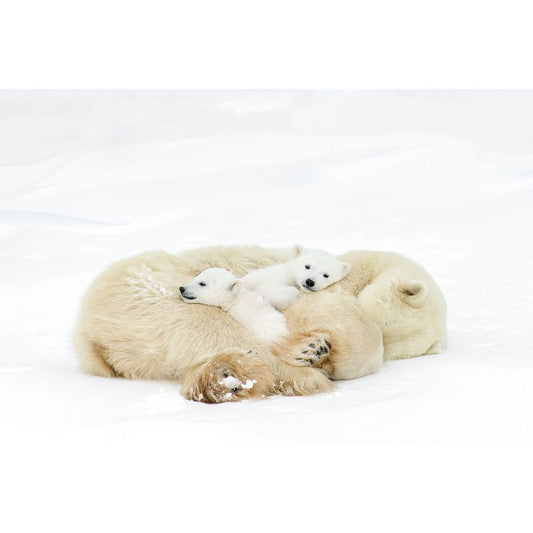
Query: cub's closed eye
{"points": [[326, 275], [202, 284], [307, 267]]}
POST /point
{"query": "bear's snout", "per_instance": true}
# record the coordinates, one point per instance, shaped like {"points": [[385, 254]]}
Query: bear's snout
{"points": [[182, 290], [309, 282]]}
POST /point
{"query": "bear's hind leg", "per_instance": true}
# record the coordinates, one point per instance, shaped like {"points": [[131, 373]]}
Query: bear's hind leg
{"points": [[92, 356]]}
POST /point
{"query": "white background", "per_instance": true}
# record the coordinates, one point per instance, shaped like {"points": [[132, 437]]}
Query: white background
{"points": [[266, 44], [443, 177], [438, 443]]}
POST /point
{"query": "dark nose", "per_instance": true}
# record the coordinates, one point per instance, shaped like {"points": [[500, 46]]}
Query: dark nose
{"points": [[182, 290], [309, 282]]}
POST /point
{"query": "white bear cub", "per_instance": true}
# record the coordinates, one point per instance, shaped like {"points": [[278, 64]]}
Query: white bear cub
{"points": [[308, 270], [219, 287], [255, 299]]}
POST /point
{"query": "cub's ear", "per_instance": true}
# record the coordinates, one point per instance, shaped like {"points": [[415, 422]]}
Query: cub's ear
{"points": [[296, 250], [413, 292], [346, 267]]}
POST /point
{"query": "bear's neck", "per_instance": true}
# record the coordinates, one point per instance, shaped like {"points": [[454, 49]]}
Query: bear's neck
{"points": [[227, 302]]}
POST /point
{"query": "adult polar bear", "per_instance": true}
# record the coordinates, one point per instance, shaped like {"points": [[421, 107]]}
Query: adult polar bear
{"points": [[133, 324]]}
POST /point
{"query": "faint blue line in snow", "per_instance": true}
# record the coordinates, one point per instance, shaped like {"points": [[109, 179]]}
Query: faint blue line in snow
{"points": [[14, 369], [47, 219], [80, 225]]}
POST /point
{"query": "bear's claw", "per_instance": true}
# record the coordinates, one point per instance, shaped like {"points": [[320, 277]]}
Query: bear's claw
{"points": [[314, 353]]}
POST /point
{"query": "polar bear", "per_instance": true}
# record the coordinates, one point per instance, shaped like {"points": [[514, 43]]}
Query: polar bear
{"points": [[252, 300], [308, 270], [132, 323], [219, 287]]}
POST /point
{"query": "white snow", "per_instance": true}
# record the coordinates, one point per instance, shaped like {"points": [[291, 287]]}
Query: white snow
{"points": [[437, 443], [249, 384], [230, 382]]}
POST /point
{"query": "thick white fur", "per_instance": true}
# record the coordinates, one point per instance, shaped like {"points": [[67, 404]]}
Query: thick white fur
{"points": [[132, 323], [308, 270], [219, 287]]}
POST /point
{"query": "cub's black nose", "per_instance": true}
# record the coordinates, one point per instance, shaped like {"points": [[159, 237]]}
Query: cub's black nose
{"points": [[309, 283], [182, 290]]}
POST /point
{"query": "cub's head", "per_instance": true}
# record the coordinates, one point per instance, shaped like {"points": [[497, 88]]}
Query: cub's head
{"points": [[315, 270], [213, 286]]}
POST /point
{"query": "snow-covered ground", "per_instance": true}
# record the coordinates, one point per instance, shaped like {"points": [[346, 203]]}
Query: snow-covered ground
{"points": [[438, 443]]}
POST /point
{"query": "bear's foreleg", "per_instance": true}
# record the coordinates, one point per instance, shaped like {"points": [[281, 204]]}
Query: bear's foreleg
{"points": [[229, 376], [235, 375]]}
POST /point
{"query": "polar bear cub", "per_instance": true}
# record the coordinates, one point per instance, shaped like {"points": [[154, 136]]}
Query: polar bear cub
{"points": [[308, 270], [255, 300], [219, 287]]}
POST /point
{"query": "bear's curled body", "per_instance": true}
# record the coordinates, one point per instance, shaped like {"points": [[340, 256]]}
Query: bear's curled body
{"points": [[133, 324]]}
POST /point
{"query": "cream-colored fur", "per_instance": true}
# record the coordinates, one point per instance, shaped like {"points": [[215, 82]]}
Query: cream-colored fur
{"points": [[132, 323], [219, 287]]}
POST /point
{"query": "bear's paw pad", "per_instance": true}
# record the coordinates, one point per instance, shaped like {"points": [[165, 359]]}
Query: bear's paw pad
{"points": [[313, 352]]}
